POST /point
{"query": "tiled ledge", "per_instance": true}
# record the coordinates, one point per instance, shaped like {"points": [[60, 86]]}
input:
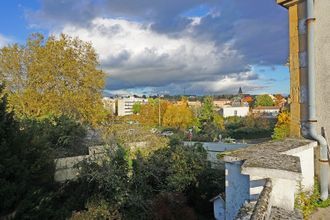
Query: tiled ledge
{"points": [[272, 159]]}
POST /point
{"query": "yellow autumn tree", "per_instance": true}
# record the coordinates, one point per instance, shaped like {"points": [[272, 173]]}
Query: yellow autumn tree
{"points": [[179, 115], [54, 76], [282, 127], [151, 112]]}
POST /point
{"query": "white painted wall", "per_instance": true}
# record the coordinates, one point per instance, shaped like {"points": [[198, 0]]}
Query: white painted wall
{"points": [[237, 189], [228, 111], [283, 193], [125, 105], [307, 168]]}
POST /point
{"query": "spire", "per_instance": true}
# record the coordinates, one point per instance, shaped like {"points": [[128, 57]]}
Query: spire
{"points": [[240, 92]]}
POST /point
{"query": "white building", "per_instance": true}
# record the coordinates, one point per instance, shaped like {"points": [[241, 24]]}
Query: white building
{"points": [[285, 165], [109, 104], [267, 111], [125, 105], [228, 111]]}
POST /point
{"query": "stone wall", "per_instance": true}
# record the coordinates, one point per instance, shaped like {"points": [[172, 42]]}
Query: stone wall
{"points": [[65, 168]]}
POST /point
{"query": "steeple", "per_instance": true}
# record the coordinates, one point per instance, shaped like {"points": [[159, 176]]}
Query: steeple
{"points": [[240, 92]]}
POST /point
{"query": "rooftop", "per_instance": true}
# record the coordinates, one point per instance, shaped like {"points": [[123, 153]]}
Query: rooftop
{"points": [[274, 156], [267, 107]]}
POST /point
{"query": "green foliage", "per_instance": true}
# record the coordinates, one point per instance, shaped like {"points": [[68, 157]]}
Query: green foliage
{"points": [[25, 161], [98, 209], [139, 190], [62, 134], [210, 123], [207, 111], [136, 107], [308, 202], [248, 127], [264, 100], [108, 177]]}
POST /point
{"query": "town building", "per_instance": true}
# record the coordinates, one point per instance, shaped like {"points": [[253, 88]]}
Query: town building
{"points": [[266, 111], [219, 103], [125, 105], [194, 104], [240, 111]]}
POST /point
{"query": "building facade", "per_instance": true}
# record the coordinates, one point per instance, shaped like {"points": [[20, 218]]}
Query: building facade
{"points": [[228, 111], [266, 111], [297, 11], [309, 59], [125, 105]]}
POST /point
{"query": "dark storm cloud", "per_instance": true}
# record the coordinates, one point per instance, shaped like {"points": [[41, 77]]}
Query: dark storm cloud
{"points": [[242, 33]]}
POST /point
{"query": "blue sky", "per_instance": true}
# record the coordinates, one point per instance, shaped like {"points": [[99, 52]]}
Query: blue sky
{"points": [[156, 46]]}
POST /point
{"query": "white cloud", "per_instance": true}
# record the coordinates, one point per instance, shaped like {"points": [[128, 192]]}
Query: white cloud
{"points": [[132, 52], [171, 44], [4, 40]]}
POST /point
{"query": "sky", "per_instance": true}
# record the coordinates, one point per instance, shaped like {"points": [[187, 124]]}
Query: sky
{"points": [[167, 47]]}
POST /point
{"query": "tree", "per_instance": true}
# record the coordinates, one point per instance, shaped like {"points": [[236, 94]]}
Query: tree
{"points": [[150, 112], [207, 111], [264, 100], [137, 107], [26, 160], [178, 116], [54, 76], [211, 122], [282, 127]]}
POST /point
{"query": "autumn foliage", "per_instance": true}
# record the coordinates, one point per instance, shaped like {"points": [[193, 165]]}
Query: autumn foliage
{"points": [[54, 76], [282, 127]]}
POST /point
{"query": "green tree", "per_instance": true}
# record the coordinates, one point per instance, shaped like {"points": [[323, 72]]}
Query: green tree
{"points": [[136, 107], [26, 161], [264, 100], [207, 111], [211, 122], [54, 76]]}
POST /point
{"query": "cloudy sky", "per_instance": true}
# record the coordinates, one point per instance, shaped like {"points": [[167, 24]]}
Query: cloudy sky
{"points": [[172, 46]]}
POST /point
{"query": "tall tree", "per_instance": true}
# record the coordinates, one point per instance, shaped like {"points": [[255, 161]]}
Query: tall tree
{"points": [[179, 116], [264, 100], [207, 111], [54, 76], [151, 112]]}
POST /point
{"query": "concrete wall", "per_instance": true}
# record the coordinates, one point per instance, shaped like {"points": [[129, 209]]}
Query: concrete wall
{"points": [[237, 189], [65, 167], [283, 193], [298, 64], [307, 168]]}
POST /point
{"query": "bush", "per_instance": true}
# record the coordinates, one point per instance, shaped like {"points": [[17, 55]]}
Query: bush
{"points": [[308, 202]]}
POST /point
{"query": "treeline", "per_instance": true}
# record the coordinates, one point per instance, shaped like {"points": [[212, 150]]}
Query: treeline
{"points": [[50, 102], [172, 182], [205, 123]]}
